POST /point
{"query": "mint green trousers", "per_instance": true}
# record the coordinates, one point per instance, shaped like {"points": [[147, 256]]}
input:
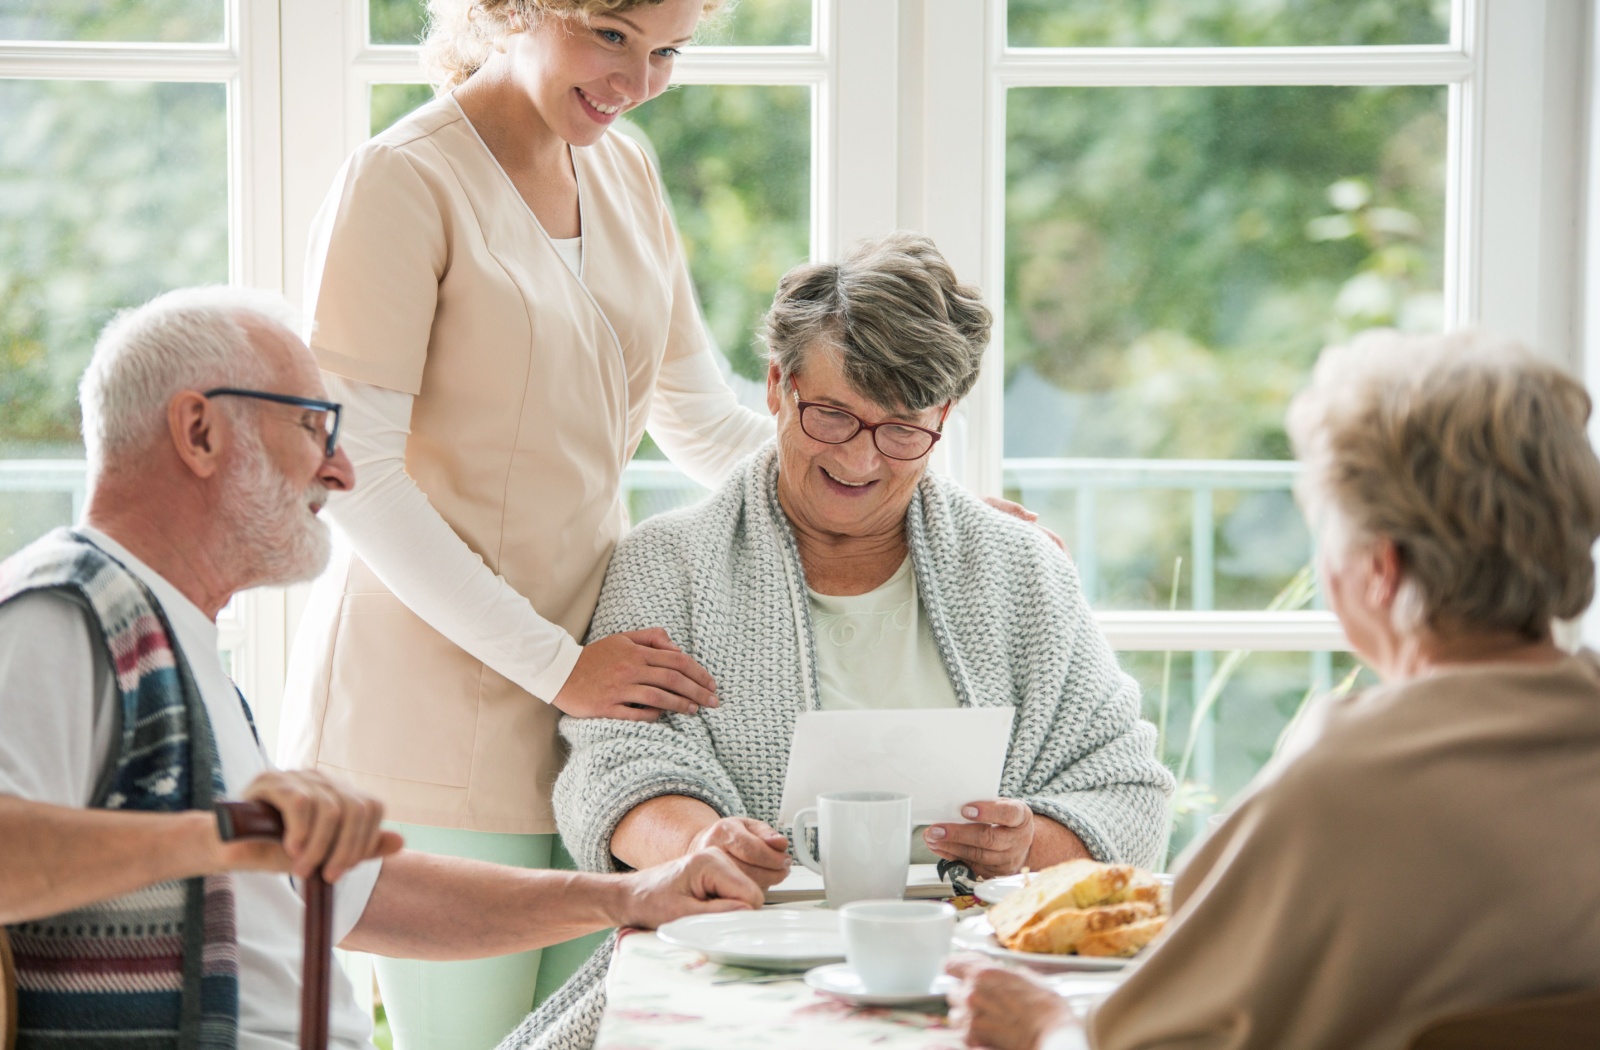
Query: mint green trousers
{"points": [[473, 1005]]}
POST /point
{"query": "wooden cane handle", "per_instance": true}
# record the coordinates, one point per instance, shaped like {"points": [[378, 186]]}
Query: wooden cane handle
{"points": [[248, 820], [261, 820]]}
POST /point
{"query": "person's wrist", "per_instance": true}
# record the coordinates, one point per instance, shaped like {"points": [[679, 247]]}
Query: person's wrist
{"points": [[195, 836], [618, 898]]}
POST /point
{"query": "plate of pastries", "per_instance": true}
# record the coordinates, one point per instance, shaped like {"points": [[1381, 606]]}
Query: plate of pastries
{"points": [[1080, 915]]}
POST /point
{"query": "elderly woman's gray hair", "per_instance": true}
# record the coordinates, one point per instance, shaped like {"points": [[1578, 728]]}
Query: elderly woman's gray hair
{"points": [[905, 329], [462, 34], [1469, 453], [189, 339]]}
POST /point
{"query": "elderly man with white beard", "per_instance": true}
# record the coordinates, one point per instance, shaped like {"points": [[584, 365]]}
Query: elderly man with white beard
{"points": [[211, 448]]}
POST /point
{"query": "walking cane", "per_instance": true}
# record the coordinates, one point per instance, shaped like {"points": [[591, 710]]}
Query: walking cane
{"points": [[259, 820]]}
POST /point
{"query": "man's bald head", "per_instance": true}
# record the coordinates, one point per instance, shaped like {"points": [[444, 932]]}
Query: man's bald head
{"points": [[189, 339]]}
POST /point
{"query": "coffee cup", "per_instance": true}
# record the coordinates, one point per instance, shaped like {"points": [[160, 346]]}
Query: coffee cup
{"points": [[897, 947], [864, 841]]}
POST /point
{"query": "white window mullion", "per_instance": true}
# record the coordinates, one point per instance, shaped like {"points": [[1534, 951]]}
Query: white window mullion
{"points": [[947, 185], [315, 51], [1524, 254], [861, 107]]}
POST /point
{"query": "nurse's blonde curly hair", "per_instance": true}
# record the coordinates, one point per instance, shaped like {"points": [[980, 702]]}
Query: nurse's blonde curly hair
{"points": [[462, 34]]}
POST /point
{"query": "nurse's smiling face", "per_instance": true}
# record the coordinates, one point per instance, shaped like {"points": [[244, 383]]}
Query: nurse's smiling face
{"points": [[582, 74]]}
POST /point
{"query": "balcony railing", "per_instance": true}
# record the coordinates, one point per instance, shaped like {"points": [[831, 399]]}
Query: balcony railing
{"points": [[653, 486]]}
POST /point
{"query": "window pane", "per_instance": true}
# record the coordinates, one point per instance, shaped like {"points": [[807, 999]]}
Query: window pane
{"points": [[736, 163], [109, 194], [1226, 23], [1175, 258], [1256, 696], [396, 21], [150, 21], [750, 23], [760, 23], [390, 102]]}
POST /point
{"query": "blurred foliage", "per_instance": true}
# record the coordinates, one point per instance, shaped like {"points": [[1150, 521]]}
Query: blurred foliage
{"points": [[141, 21], [736, 162], [1226, 23], [110, 192], [1175, 259], [387, 103], [396, 21], [1260, 696], [740, 23]]}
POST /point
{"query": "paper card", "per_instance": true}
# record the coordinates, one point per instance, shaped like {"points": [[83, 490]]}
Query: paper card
{"points": [[943, 757]]}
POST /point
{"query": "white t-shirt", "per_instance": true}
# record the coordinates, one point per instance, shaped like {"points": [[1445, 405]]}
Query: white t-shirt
{"points": [[58, 714], [875, 650]]}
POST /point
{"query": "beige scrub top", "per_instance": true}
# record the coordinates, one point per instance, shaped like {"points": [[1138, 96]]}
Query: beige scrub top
{"points": [[428, 274]]}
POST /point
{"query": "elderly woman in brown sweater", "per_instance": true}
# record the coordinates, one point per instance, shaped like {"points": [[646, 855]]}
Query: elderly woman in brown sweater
{"points": [[1428, 845]]}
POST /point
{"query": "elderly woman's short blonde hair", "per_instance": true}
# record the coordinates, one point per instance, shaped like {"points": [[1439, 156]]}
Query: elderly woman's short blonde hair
{"points": [[462, 34], [1468, 452]]}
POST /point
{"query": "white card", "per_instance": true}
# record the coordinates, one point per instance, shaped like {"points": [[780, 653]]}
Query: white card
{"points": [[944, 758]]}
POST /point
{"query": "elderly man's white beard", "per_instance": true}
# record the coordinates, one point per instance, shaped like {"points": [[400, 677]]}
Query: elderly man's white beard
{"points": [[273, 537]]}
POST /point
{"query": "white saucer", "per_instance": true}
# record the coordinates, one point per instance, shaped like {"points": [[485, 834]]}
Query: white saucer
{"points": [[769, 939], [841, 982]]}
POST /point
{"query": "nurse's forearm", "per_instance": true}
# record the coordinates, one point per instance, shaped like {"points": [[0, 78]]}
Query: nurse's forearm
{"points": [[698, 422], [433, 907], [404, 539], [660, 829]]}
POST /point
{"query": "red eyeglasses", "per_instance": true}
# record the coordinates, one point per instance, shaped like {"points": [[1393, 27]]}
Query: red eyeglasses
{"points": [[832, 425]]}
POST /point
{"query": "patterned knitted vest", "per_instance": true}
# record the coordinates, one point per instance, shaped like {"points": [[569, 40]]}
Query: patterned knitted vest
{"points": [[156, 969]]}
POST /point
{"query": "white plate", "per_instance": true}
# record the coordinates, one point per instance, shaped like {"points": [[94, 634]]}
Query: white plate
{"points": [[976, 935], [770, 939], [841, 982], [993, 891]]}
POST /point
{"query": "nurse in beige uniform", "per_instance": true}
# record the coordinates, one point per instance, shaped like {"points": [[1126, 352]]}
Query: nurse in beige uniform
{"points": [[496, 293]]}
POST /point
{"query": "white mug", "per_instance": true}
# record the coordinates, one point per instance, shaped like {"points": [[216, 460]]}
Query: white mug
{"points": [[865, 841], [897, 947]]}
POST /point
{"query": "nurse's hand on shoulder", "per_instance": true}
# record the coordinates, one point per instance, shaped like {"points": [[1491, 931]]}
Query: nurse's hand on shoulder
{"points": [[636, 675], [703, 881], [1017, 510]]}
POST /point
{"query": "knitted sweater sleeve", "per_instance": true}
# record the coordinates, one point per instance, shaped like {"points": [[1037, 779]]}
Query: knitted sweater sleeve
{"points": [[1080, 752], [1096, 772], [614, 764]]}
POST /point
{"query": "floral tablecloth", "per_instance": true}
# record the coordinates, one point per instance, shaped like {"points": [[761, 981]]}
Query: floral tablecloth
{"points": [[663, 998]]}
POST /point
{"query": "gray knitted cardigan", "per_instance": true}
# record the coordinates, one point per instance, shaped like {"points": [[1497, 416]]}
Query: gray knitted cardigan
{"points": [[724, 579]]}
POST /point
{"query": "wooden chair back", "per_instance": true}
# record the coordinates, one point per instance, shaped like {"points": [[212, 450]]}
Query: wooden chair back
{"points": [[1554, 1022], [8, 994]]}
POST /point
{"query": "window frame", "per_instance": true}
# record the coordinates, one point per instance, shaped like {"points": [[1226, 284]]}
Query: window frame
{"points": [[908, 131]]}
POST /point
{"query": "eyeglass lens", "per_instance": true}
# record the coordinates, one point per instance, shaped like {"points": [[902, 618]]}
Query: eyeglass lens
{"points": [[835, 428]]}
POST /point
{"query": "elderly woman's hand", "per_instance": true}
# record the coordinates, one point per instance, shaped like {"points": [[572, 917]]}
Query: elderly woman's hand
{"points": [[1003, 1009], [995, 843], [760, 852]]}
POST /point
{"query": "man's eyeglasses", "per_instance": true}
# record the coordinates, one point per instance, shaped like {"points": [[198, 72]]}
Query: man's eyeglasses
{"points": [[329, 409], [834, 426]]}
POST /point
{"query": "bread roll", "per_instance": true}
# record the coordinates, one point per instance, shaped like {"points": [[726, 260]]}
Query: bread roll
{"points": [[1122, 940], [1060, 932]]}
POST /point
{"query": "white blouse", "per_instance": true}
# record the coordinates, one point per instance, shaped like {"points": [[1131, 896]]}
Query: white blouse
{"points": [[875, 650]]}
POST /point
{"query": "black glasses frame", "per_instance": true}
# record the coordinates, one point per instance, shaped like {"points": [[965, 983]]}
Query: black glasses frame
{"points": [[332, 407], [871, 428]]}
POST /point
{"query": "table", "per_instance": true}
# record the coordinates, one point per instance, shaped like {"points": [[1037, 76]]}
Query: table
{"points": [[660, 997]]}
